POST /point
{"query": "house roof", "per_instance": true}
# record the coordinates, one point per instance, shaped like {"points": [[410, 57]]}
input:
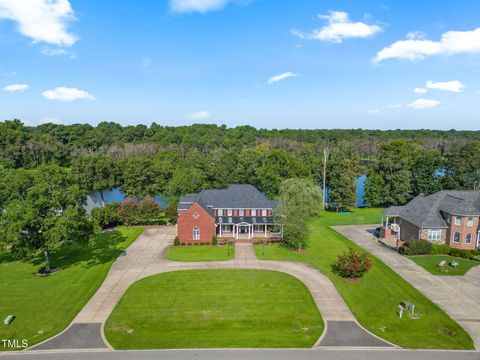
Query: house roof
{"points": [[238, 196], [430, 211]]}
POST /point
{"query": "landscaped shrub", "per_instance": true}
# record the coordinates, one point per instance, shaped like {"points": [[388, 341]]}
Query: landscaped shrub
{"points": [[129, 212], [107, 216], [440, 249], [352, 265], [416, 247], [214, 240], [465, 254], [176, 241]]}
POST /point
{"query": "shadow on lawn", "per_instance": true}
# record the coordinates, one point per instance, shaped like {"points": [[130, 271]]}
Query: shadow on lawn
{"points": [[101, 249]]}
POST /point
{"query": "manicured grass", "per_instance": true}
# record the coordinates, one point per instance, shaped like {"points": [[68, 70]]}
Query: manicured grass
{"points": [[201, 253], [430, 263], [374, 301], [215, 309], [44, 306]]}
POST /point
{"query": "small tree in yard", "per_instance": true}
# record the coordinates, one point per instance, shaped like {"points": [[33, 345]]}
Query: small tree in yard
{"points": [[47, 216], [299, 201], [352, 265]]}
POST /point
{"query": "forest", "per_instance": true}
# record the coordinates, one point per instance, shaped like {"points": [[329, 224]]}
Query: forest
{"points": [[172, 161]]}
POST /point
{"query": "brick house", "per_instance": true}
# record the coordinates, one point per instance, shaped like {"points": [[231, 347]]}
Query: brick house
{"points": [[238, 212], [448, 217]]}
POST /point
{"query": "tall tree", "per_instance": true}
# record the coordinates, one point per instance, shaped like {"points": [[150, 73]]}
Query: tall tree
{"points": [[96, 172], [343, 168], [393, 166], [462, 167], [427, 172], [48, 216], [299, 201]]}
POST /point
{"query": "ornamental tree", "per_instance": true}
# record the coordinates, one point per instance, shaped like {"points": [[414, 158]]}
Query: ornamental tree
{"points": [[352, 265]]}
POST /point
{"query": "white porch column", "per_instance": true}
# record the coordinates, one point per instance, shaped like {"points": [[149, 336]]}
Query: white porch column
{"points": [[220, 230], [265, 230]]}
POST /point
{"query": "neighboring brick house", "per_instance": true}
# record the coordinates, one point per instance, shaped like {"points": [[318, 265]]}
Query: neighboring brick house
{"points": [[238, 212], [448, 217]]}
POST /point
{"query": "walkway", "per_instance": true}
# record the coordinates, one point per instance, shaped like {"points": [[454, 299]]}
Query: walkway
{"points": [[145, 257], [458, 296]]}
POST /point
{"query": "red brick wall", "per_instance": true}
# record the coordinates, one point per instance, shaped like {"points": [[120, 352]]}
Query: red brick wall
{"points": [[187, 221], [463, 229]]}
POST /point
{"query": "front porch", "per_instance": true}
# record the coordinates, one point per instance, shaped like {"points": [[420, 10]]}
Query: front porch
{"points": [[248, 231]]}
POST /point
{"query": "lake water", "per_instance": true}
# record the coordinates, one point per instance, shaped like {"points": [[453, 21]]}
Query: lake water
{"points": [[94, 199]]}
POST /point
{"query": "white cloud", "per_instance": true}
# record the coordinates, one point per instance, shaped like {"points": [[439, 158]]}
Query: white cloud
{"points": [[450, 43], [454, 86], [67, 94], [48, 51], [201, 6], [420, 90], [339, 28], [374, 111], [281, 77], [417, 35], [41, 20], [424, 104], [395, 106], [15, 87], [199, 115], [49, 120]]}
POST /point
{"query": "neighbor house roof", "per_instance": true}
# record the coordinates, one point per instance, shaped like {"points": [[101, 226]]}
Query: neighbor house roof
{"points": [[430, 211], [238, 196]]}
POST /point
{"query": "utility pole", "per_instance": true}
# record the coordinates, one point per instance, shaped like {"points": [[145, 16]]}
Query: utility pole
{"points": [[326, 150]]}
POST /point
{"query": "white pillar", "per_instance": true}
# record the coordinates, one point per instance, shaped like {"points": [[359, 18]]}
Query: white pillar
{"points": [[265, 230], [220, 230]]}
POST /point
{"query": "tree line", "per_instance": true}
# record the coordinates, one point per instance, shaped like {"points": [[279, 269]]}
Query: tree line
{"points": [[172, 161]]}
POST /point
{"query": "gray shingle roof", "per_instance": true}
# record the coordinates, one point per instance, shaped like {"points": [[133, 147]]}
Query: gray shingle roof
{"points": [[238, 196], [430, 211]]}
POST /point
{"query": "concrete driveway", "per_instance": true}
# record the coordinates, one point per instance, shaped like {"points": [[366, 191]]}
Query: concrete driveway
{"points": [[458, 296], [146, 257]]}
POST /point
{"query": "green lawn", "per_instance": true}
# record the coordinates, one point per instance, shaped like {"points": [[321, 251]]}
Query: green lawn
{"points": [[215, 309], [44, 306], [430, 263], [374, 301], [201, 253]]}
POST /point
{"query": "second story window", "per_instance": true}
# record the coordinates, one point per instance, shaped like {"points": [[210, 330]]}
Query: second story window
{"points": [[229, 212], [264, 212], [470, 221], [241, 212], [458, 220]]}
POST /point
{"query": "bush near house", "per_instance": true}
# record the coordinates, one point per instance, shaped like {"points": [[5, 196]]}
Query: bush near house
{"points": [[416, 247], [130, 212], [438, 249], [352, 264]]}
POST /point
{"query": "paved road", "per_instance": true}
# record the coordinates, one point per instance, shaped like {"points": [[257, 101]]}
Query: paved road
{"points": [[145, 257], [458, 296], [266, 354]]}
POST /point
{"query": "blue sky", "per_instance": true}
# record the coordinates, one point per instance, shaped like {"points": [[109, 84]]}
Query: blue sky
{"points": [[267, 63]]}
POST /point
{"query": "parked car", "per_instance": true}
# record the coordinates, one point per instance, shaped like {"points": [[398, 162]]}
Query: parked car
{"points": [[376, 232]]}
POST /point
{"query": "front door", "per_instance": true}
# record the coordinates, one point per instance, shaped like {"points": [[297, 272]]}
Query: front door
{"points": [[242, 229]]}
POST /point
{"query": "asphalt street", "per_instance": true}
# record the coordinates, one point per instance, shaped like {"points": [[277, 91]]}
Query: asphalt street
{"points": [[233, 354]]}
